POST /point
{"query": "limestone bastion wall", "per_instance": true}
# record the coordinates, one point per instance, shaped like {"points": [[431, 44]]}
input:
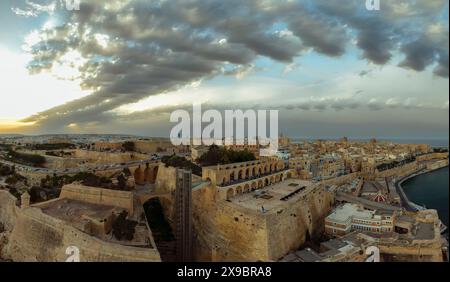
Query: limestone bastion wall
{"points": [[55, 162], [432, 156], [289, 226], [40, 237], [399, 171], [413, 166], [166, 183], [108, 157], [122, 199], [224, 231], [340, 180], [8, 209], [166, 179]]}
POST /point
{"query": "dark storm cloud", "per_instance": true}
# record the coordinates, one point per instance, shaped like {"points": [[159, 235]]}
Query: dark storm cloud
{"points": [[324, 36], [155, 47], [419, 54], [425, 51]]}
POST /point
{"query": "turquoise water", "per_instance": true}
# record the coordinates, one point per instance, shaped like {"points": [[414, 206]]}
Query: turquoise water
{"points": [[430, 189]]}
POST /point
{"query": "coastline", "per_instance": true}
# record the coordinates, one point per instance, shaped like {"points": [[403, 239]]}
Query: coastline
{"points": [[405, 202]]}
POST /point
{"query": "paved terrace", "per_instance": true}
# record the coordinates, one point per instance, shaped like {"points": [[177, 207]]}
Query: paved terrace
{"points": [[75, 213], [270, 196]]}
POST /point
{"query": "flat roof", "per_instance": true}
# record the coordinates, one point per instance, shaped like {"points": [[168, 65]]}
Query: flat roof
{"points": [[308, 255], [344, 212], [334, 244], [405, 218], [424, 231], [270, 196], [73, 210]]}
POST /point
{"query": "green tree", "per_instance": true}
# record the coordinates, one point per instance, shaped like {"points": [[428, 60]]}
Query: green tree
{"points": [[128, 146], [122, 228], [122, 181]]}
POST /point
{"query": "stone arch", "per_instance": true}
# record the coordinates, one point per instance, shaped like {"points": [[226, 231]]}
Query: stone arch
{"points": [[260, 184], [253, 171], [224, 181], [246, 188], [139, 177], [254, 186], [240, 174], [230, 193], [247, 173], [232, 176], [272, 179], [289, 175], [266, 182], [238, 190]]}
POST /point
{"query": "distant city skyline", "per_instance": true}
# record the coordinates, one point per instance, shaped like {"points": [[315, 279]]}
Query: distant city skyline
{"points": [[331, 69]]}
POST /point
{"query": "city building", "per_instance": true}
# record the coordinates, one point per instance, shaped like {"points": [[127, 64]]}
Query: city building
{"points": [[351, 217]]}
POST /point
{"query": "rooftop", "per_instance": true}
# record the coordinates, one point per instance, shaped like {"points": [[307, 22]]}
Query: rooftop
{"points": [[270, 197], [424, 231], [344, 212], [74, 211], [308, 255]]}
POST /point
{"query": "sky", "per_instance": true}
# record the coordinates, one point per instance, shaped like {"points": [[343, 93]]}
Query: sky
{"points": [[331, 67]]}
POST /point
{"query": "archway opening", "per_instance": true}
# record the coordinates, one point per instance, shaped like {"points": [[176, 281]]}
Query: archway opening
{"points": [[230, 194], [232, 176]]}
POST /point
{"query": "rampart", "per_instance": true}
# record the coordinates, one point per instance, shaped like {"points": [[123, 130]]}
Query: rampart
{"points": [[8, 209], [40, 237], [225, 231], [121, 199]]}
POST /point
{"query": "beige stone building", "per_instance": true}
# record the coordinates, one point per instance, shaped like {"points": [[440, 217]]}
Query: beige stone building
{"points": [[350, 217]]}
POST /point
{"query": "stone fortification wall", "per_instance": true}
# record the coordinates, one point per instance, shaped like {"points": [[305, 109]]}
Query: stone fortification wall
{"points": [[8, 209], [399, 171], [432, 156], [108, 157], [40, 237], [301, 219], [341, 179], [225, 231], [121, 199]]}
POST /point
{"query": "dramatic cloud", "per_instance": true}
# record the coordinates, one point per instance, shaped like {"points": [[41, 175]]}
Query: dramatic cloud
{"points": [[129, 50]]}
